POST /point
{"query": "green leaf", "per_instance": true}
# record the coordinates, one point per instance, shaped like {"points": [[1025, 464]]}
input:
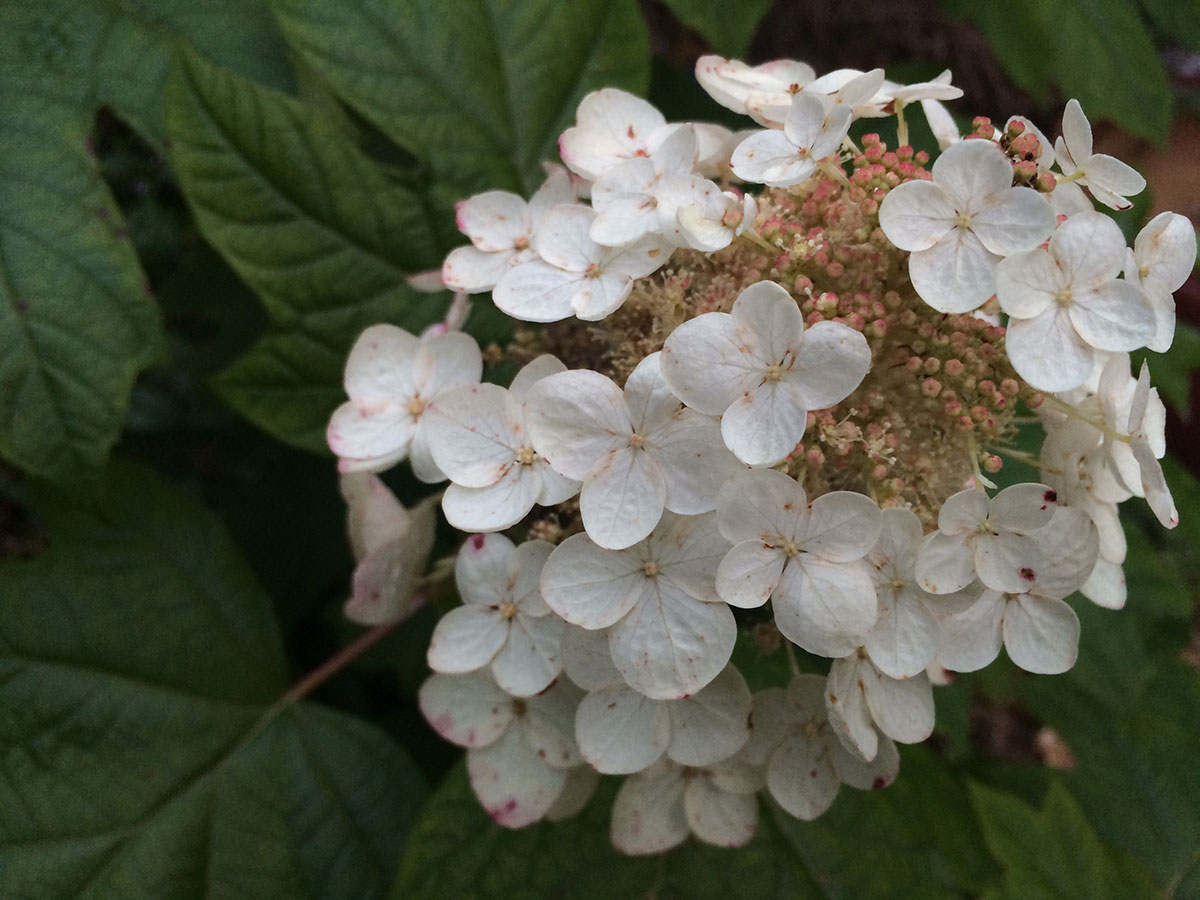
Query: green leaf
{"points": [[144, 755], [76, 319], [117, 52], [1053, 853], [309, 223], [477, 89], [1178, 21], [455, 852], [728, 27], [1098, 51]]}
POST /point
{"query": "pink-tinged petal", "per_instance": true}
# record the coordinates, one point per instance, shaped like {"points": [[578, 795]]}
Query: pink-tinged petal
{"points": [[466, 639], [1027, 283], [383, 588], [537, 292], [1018, 219], [867, 776], [622, 499], [846, 706], [612, 125], [468, 710], [972, 639], [718, 817], [762, 505], [801, 778], [374, 516], [471, 436], [902, 708], [493, 220], [514, 785], [764, 425], [483, 569], [713, 724], [826, 608], [955, 275], [1048, 352], [529, 660], [671, 645], [495, 507], [1041, 635], [749, 574], [841, 526], [831, 361], [945, 564], [590, 586], [905, 638], [1113, 316], [916, 215], [648, 814], [707, 364], [473, 270], [621, 732], [971, 173], [380, 365], [576, 419]]}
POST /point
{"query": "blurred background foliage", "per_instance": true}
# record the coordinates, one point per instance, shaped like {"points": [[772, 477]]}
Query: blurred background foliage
{"points": [[201, 205]]}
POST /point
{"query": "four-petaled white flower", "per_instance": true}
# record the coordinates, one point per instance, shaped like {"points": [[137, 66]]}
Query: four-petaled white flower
{"points": [[391, 377], [987, 538], [478, 436], [670, 633], [1065, 301], [520, 750], [503, 620], [805, 760], [807, 560], [575, 275], [1111, 181], [636, 452], [811, 132], [958, 226], [760, 370], [1040, 631], [501, 226]]}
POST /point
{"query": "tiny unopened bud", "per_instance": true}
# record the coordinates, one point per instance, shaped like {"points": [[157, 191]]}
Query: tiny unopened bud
{"points": [[931, 387], [992, 463]]}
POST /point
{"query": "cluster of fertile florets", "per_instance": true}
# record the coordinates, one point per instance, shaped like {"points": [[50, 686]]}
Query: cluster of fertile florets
{"points": [[767, 417]]}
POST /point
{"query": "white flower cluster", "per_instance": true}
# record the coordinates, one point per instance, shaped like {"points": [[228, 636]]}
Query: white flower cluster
{"points": [[750, 452]]}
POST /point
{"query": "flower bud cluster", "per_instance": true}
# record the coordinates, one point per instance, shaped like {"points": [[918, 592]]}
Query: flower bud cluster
{"points": [[762, 411]]}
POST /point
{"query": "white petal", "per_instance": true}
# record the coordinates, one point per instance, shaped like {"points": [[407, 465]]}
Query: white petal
{"points": [[587, 660], [867, 776], [1023, 507], [1018, 219], [761, 504], [468, 710], [763, 426], [971, 172], [1047, 351], [648, 814], [493, 219], [1008, 562], [831, 362], [1077, 131], [590, 586], [529, 660], [963, 512], [473, 270], [1070, 545], [719, 817], [483, 568], [846, 706], [622, 499], [374, 516], [704, 363], [549, 724], [945, 564], [466, 639], [694, 461], [826, 608], [916, 215], [902, 708], [1106, 585], [1113, 316], [711, 725], [768, 321], [611, 125], [580, 786], [769, 157], [1026, 283], [620, 731], [380, 364], [749, 574], [801, 778], [575, 419], [471, 434], [671, 645], [533, 372], [905, 638], [841, 526], [955, 275], [372, 439], [972, 639], [1041, 635], [536, 291], [514, 785], [648, 398]]}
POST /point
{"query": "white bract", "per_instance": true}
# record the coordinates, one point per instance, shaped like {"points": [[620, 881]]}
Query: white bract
{"points": [[611, 126], [391, 548], [670, 635], [391, 377], [501, 226], [1110, 180], [760, 370], [621, 731], [990, 539], [811, 132], [1065, 301], [1162, 258], [805, 761], [636, 452], [503, 620], [860, 699], [762, 92], [520, 750], [1039, 630], [1145, 437], [807, 561], [575, 275], [478, 437], [962, 223]]}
